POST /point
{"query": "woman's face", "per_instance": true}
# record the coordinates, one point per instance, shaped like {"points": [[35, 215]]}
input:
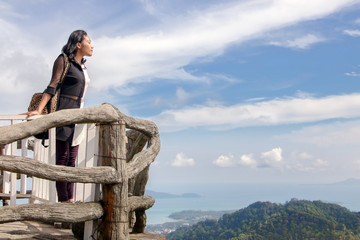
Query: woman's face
{"points": [[85, 48]]}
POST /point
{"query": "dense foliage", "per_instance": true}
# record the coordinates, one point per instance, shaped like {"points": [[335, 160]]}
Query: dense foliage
{"points": [[293, 220]]}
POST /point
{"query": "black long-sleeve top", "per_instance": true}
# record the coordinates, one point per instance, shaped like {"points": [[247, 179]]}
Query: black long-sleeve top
{"points": [[73, 85]]}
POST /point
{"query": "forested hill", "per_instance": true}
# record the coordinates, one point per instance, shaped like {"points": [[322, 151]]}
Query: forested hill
{"points": [[294, 220]]}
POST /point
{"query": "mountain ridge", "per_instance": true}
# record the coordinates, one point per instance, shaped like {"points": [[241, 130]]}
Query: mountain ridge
{"points": [[296, 219]]}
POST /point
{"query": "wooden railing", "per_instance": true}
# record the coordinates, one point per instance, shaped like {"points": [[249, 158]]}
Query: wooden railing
{"points": [[8, 181], [122, 171]]}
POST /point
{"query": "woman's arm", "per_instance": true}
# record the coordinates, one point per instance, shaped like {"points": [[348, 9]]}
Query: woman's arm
{"points": [[44, 100], [51, 88]]}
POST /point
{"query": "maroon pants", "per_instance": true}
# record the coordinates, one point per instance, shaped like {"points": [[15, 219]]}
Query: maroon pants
{"points": [[65, 155]]}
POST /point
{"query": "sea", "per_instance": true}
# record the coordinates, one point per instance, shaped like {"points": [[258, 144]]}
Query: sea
{"points": [[233, 196]]}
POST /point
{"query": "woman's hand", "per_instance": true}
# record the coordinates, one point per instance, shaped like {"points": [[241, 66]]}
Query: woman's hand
{"points": [[31, 113], [44, 100]]}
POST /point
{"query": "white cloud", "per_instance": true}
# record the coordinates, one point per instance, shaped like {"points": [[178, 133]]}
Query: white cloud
{"points": [[356, 163], [270, 159], [327, 134], [302, 94], [321, 163], [302, 42], [220, 77], [258, 99], [352, 33], [299, 167], [273, 156], [225, 161], [272, 112], [23, 70], [164, 52], [149, 7], [230, 161], [274, 159], [248, 160], [305, 155], [161, 49], [353, 74], [182, 161], [181, 94], [315, 166], [296, 162]]}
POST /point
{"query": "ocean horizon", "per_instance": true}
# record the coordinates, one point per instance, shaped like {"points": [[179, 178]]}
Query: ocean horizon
{"points": [[219, 197], [235, 196]]}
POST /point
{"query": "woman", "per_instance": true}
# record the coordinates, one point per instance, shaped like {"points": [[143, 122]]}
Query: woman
{"points": [[72, 93]]}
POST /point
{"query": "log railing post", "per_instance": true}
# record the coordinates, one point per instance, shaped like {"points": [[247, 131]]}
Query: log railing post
{"points": [[112, 152]]}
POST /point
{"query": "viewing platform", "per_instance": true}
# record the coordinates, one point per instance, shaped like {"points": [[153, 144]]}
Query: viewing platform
{"points": [[110, 176]]}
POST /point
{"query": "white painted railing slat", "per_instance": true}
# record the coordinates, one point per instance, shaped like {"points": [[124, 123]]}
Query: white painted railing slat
{"points": [[24, 153]]}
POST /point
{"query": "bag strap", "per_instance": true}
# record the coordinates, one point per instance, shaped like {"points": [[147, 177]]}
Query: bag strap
{"points": [[43, 142], [54, 102], [66, 68]]}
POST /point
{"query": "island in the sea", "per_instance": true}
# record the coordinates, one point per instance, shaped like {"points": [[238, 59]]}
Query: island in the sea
{"points": [[164, 195], [185, 218]]}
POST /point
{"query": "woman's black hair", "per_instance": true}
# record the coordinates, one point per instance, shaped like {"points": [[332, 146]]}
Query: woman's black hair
{"points": [[70, 47]]}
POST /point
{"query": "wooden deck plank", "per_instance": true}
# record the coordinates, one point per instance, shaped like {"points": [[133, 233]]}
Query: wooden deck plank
{"points": [[33, 230], [37, 230]]}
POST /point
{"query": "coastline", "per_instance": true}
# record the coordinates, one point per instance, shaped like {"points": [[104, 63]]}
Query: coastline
{"points": [[238, 196]]}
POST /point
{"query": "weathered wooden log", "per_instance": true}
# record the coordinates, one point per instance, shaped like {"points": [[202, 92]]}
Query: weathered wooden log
{"points": [[105, 113], [143, 159], [147, 127], [141, 181], [112, 152], [139, 190], [136, 143], [59, 173], [65, 212], [52, 212], [140, 202]]}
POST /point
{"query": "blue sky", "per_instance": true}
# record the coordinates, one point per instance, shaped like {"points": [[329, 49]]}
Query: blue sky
{"points": [[242, 91]]}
